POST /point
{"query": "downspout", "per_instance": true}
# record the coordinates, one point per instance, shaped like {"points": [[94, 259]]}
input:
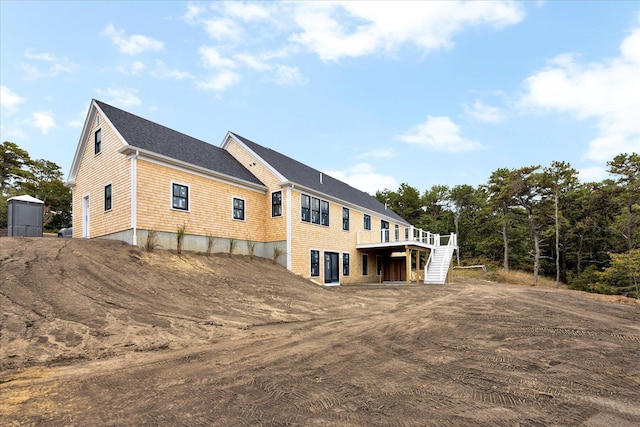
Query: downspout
{"points": [[289, 245], [134, 202]]}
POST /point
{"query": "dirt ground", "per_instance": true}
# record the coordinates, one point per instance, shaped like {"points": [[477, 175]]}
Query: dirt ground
{"points": [[101, 333]]}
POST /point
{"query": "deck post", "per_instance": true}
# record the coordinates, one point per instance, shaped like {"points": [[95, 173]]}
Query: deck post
{"points": [[408, 263]]}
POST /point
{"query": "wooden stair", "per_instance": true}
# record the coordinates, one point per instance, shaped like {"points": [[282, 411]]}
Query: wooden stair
{"points": [[438, 264]]}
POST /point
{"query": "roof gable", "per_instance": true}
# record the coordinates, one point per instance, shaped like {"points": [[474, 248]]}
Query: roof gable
{"points": [[149, 136], [306, 176]]}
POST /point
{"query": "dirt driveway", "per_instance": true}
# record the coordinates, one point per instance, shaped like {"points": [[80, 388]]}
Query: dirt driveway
{"points": [[99, 333]]}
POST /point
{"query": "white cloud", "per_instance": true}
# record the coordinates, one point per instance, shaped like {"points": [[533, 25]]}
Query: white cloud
{"points": [[439, 134], [607, 92], [120, 97], [161, 71], [363, 177], [483, 113], [194, 10], [134, 44], [43, 120], [593, 174], [350, 29], [247, 11], [211, 58], [253, 62], [220, 82], [9, 99], [223, 29], [381, 153], [289, 76], [133, 69], [53, 65], [39, 56]]}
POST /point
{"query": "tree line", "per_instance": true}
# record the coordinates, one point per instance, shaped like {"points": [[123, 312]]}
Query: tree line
{"points": [[42, 179], [537, 219], [542, 220]]}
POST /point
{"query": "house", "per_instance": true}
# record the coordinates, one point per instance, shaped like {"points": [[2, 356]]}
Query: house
{"points": [[132, 178]]}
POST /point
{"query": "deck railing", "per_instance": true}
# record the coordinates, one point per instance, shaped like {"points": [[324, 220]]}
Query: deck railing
{"points": [[405, 235]]}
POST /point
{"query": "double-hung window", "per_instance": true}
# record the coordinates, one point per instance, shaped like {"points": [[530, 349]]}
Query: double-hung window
{"points": [[315, 263], [324, 213], [276, 203], [238, 208], [305, 212], [315, 210], [107, 197], [365, 265], [97, 141], [367, 222], [180, 197], [345, 264], [345, 219]]}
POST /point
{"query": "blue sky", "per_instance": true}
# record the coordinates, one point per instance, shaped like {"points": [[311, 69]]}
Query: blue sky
{"points": [[376, 94]]}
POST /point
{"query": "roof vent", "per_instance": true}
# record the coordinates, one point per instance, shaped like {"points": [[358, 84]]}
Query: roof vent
{"points": [[320, 177]]}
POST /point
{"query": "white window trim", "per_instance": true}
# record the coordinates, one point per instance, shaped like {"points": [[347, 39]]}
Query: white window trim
{"points": [[188, 197], [244, 209], [281, 203], [94, 142], [320, 200]]}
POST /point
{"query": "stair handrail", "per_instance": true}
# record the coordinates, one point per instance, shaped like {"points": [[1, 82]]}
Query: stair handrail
{"points": [[427, 264]]}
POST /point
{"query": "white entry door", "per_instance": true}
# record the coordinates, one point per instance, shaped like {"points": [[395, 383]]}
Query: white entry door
{"points": [[85, 216]]}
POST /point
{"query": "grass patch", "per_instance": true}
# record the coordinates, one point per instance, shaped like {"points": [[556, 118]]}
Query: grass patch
{"points": [[514, 277]]}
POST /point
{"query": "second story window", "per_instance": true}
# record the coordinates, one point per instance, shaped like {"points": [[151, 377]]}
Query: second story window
{"points": [[276, 203], [324, 213], [367, 222], [315, 210], [305, 211], [180, 197], [97, 141], [345, 219], [238, 209]]}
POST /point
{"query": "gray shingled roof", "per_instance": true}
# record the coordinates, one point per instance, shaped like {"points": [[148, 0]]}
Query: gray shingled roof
{"points": [[301, 174], [147, 135]]}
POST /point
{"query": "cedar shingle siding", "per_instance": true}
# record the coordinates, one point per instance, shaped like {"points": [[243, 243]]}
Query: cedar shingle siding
{"points": [[141, 160]]}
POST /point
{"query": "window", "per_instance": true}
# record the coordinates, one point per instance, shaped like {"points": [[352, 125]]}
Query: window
{"points": [[397, 228], [384, 230], [367, 222], [107, 197], [180, 197], [276, 203], [315, 210], [315, 263], [345, 219], [97, 141], [305, 202], [345, 264], [324, 213], [238, 209], [365, 265]]}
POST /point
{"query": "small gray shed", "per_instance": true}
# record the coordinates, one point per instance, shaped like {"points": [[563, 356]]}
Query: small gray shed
{"points": [[25, 216]]}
